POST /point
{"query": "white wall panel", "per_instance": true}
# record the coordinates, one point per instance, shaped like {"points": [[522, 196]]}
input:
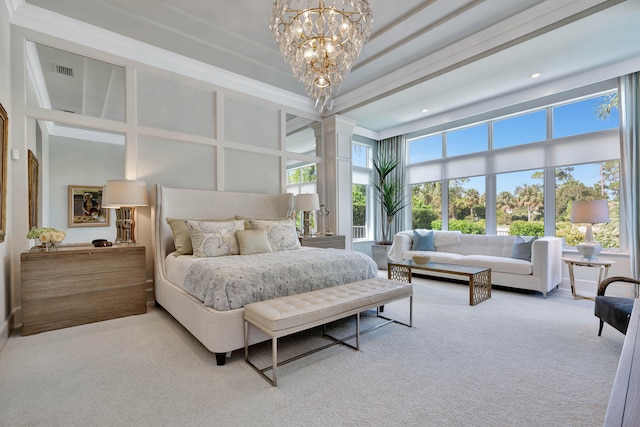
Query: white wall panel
{"points": [[251, 124], [170, 105], [251, 172], [176, 164]]}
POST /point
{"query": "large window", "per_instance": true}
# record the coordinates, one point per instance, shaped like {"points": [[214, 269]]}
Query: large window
{"points": [[426, 205], [588, 115], [519, 174], [588, 182], [427, 148], [467, 140], [362, 205], [520, 203], [359, 211], [301, 179], [520, 129], [467, 205]]}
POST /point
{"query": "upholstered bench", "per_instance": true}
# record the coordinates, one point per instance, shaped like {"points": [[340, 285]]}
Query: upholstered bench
{"points": [[283, 316]]}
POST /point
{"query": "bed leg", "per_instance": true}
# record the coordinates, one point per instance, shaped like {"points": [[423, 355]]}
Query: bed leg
{"points": [[220, 358]]}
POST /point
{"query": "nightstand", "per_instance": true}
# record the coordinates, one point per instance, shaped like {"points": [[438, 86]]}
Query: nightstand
{"points": [[601, 265], [74, 285], [336, 242]]}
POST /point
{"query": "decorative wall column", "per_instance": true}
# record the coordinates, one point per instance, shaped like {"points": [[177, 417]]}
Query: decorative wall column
{"points": [[338, 132]]}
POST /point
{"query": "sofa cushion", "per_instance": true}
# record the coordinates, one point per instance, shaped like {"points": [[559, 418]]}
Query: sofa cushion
{"points": [[445, 238], [498, 264], [444, 257], [482, 244], [423, 240], [522, 248]]}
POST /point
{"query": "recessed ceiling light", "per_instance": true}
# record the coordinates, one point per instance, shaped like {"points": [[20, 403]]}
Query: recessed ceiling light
{"points": [[535, 75], [424, 110]]}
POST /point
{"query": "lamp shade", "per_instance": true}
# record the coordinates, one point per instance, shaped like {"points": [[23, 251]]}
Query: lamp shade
{"points": [[307, 202], [590, 211], [117, 193]]}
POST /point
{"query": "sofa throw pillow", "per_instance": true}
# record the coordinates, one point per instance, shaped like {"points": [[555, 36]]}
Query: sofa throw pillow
{"points": [[282, 235], [181, 236], [253, 242], [210, 239], [521, 248], [423, 240]]}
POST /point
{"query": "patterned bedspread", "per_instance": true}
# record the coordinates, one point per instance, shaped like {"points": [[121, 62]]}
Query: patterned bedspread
{"points": [[230, 282]]}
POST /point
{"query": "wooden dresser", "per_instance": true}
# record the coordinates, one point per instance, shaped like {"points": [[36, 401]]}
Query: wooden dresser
{"points": [[75, 285], [336, 242]]}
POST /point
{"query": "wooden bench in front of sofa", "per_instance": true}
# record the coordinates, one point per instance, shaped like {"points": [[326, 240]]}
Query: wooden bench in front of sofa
{"points": [[283, 316]]}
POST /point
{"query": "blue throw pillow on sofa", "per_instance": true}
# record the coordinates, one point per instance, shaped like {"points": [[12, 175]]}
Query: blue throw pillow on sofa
{"points": [[521, 248], [423, 240]]}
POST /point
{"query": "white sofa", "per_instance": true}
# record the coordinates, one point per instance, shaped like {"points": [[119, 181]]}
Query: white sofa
{"points": [[543, 273]]}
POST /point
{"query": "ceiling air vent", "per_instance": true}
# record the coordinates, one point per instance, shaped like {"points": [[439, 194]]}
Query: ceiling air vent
{"points": [[65, 71]]}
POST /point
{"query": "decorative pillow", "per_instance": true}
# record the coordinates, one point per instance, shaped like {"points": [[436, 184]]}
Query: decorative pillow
{"points": [[253, 242], [247, 221], [282, 235], [181, 236], [211, 239], [521, 248], [423, 240]]}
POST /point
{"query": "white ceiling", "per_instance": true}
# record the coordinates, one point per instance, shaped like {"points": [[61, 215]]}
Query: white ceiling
{"points": [[437, 54]]}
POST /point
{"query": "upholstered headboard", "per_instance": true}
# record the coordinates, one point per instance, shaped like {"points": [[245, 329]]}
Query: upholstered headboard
{"points": [[183, 203]]}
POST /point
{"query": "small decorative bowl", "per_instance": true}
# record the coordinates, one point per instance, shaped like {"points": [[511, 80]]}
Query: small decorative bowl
{"points": [[421, 259]]}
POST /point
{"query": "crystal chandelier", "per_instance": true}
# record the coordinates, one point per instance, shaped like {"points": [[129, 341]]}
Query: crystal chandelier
{"points": [[320, 40]]}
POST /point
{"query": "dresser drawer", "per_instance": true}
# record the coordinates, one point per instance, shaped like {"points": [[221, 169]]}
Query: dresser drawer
{"points": [[336, 242]]}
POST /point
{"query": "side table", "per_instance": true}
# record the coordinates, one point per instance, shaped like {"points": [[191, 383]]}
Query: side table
{"points": [[601, 264]]}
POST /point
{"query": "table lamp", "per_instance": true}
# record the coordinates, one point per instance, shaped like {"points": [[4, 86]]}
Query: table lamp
{"points": [[124, 196], [589, 212], [307, 203]]}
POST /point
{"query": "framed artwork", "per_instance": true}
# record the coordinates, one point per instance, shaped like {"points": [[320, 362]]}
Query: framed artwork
{"points": [[33, 168], [4, 146], [85, 207]]}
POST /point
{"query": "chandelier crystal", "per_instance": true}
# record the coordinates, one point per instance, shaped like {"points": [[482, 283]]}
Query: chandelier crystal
{"points": [[320, 40]]}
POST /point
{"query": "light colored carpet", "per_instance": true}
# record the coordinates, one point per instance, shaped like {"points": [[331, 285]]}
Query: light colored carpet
{"points": [[514, 360]]}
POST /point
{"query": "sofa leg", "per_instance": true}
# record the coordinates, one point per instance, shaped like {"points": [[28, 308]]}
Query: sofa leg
{"points": [[600, 329], [221, 358]]}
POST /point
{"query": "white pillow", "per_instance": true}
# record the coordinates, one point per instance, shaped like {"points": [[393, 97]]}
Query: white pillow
{"points": [[282, 235], [211, 239], [253, 242]]}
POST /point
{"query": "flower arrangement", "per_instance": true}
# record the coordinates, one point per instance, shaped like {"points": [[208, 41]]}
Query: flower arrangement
{"points": [[47, 235]]}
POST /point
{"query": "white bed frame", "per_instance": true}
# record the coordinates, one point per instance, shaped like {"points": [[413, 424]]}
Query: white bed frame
{"points": [[219, 331]]}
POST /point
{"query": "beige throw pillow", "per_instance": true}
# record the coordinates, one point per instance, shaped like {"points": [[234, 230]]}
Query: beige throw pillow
{"points": [[282, 235], [253, 242], [210, 239], [247, 221]]}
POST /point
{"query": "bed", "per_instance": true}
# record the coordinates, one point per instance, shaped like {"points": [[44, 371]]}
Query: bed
{"points": [[216, 319]]}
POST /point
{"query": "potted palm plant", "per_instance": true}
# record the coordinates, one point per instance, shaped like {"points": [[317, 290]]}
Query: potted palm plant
{"points": [[390, 197]]}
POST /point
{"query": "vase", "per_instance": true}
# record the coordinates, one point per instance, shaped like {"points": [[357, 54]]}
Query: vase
{"points": [[380, 254], [46, 246]]}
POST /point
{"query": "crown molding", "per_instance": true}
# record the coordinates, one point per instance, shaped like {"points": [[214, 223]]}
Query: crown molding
{"points": [[52, 24]]}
